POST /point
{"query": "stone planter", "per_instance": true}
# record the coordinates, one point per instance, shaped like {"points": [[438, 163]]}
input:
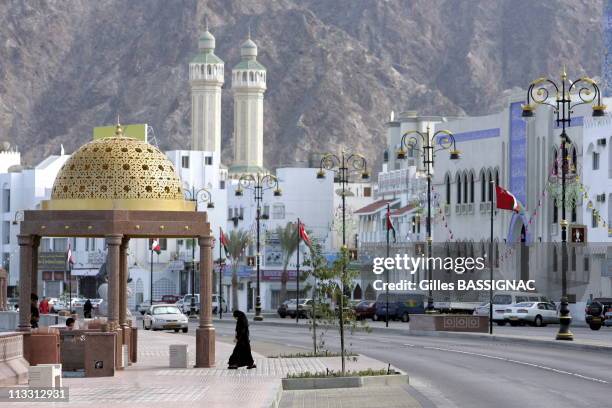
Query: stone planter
{"points": [[449, 322], [344, 382]]}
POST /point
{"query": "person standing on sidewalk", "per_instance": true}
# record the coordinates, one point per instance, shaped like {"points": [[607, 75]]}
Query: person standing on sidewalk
{"points": [[241, 355], [43, 308], [87, 309]]}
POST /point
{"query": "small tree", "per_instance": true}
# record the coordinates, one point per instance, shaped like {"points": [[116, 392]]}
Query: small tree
{"points": [[238, 241], [289, 244], [330, 279]]}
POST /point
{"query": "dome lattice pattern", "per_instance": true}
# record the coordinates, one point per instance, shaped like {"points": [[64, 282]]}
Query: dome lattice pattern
{"points": [[117, 168]]}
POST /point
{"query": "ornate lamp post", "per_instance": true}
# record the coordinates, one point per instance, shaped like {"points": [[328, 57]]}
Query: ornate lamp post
{"points": [[563, 97], [343, 166], [428, 144], [201, 195], [259, 183]]}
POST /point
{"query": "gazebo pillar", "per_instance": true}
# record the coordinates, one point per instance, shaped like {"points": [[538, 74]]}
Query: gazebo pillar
{"points": [[205, 333], [123, 288], [35, 244], [112, 269], [25, 280]]}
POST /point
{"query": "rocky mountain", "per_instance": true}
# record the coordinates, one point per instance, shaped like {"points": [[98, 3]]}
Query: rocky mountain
{"points": [[336, 68]]}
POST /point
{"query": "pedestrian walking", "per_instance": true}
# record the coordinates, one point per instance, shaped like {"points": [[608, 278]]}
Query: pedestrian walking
{"points": [[87, 309], [34, 314], [44, 306], [242, 350]]}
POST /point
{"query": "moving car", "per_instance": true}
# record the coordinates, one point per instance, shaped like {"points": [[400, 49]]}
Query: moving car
{"points": [[366, 309], [536, 313], [596, 313], [165, 317], [144, 306], [401, 305], [501, 301]]}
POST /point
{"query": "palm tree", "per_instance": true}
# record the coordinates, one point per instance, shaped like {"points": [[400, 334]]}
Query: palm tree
{"points": [[289, 241], [238, 240]]}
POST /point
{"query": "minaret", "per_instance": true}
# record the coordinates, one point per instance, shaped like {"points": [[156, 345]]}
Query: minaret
{"points": [[249, 85], [206, 79]]}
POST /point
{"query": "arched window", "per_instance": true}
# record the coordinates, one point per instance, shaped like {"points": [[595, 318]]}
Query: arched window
{"points": [[483, 186], [209, 69], [458, 188], [471, 187], [251, 76], [555, 162], [465, 188], [244, 76], [490, 187], [448, 189], [496, 177]]}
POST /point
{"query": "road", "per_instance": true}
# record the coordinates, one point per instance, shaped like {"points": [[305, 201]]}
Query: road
{"points": [[467, 372]]}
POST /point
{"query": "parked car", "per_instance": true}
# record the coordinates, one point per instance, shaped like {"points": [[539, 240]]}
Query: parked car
{"points": [[481, 310], [535, 313], [215, 304], [401, 305], [366, 309], [165, 317], [502, 300], [170, 299], [283, 309], [596, 312], [144, 306], [608, 319], [13, 303]]}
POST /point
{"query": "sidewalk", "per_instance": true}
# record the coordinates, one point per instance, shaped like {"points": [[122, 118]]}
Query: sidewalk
{"points": [[150, 383]]}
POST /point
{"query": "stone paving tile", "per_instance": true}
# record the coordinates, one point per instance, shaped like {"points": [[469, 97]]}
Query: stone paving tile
{"points": [[387, 397]]}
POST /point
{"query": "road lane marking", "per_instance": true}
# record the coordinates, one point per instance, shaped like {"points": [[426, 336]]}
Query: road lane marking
{"points": [[510, 360]]}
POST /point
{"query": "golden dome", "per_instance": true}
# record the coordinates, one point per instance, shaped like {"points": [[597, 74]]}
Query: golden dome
{"points": [[117, 173]]}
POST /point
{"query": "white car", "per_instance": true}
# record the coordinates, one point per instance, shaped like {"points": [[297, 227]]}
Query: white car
{"points": [[165, 317], [215, 304], [535, 313], [481, 310], [504, 299]]}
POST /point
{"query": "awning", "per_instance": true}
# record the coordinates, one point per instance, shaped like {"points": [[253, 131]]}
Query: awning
{"points": [[84, 272]]}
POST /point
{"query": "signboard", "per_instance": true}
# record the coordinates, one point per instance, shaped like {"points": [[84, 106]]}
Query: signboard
{"points": [[136, 131], [273, 254], [578, 234], [52, 261], [275, 275]]}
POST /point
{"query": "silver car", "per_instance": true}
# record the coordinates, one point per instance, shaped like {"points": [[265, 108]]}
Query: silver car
{"points": [[165, 317]]}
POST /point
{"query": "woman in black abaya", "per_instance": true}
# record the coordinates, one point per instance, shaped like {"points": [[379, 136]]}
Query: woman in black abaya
{"points": [[242, 350]]}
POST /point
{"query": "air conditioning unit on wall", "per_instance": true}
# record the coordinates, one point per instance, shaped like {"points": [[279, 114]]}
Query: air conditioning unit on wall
{"points": [[601, 198], [601, 142]]}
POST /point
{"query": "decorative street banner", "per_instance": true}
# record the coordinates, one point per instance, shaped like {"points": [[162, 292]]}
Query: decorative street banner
{"points": [[518, 153]]}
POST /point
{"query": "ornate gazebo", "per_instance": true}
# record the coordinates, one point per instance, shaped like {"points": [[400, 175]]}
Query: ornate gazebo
{"points": [[118, 188]]}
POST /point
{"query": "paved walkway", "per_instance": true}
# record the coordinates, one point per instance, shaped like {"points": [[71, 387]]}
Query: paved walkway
{"points": [[387, 397], [150, 383]]}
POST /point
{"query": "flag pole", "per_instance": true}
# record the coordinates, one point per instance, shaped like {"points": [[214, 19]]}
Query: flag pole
{"points": [[151, 275], [297, 279], [220, 296], [387, 271], [493, 199]]}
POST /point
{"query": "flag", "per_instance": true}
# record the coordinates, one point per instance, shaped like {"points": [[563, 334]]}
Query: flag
{"points": [[224, 241], [155, 247], [69, 258], [506, 200], [303, 234], [390, 223]]}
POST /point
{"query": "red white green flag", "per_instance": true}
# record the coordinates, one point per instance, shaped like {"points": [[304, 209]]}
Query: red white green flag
{"points": [[155, 246], [389, 223], [303, 234], [225, 242]]}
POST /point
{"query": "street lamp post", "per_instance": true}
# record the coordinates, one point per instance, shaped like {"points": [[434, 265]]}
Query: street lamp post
{"points": [[430, 144], [585, 91], [259, 183], [201, 195], [343, 166]]}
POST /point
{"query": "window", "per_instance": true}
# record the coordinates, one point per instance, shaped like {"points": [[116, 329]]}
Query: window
{"points": [[367, 191], [230, 213], [595, 161], [266, 210], [6, 232], [458, 189], [208, 160], [60, 244], [471, 187], [586, 263], [278, 211], [483, 187], [448, 190], [555, 213], [185, 162], [221, 184], [45, 244], [490, 187], [465, 188], [574, 215], [594, 219], [6, 199]]}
